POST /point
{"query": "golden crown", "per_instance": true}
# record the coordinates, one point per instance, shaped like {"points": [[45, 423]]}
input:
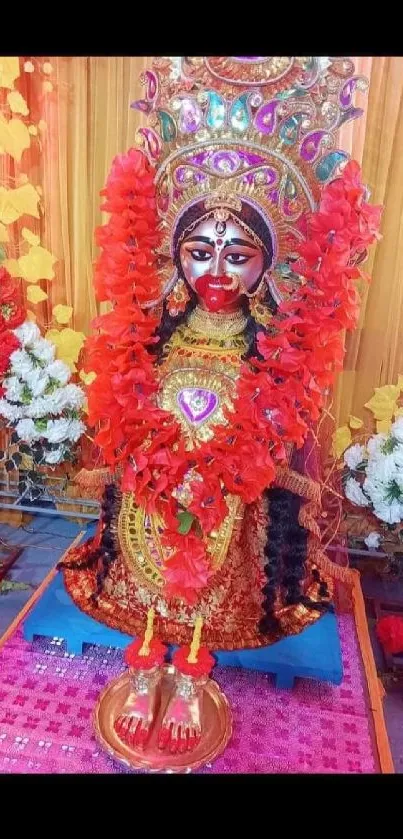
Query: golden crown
{"points": [[256, 129]]}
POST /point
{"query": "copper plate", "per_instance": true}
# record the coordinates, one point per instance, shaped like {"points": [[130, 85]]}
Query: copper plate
{"points": [[216, 723]]}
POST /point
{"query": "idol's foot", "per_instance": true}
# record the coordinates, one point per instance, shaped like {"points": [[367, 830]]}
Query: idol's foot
{"points": [[133, 726], [181, 727]]}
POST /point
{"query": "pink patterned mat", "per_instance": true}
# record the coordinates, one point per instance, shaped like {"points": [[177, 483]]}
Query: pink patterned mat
{"points": [[47, 698]]}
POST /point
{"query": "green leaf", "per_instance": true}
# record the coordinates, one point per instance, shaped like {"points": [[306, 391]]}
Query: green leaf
{"points": [[186, 520]]}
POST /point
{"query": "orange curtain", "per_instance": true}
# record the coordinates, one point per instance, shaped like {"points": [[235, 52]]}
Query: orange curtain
{"points": [[88, 124], [375, 350]]}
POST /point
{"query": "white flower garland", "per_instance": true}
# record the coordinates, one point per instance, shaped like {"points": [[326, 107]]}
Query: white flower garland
{"points": [[39, 402], [374, 474]]}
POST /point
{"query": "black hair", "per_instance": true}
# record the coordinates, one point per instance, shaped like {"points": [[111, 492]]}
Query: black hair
{"points": [[103, 556]]}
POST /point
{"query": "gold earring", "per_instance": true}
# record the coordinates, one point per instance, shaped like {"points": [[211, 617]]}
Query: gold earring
{"points": [[178, 299], [257, 307]]}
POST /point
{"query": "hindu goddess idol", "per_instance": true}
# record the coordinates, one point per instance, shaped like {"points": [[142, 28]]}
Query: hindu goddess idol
{"points": [[230, 259]]}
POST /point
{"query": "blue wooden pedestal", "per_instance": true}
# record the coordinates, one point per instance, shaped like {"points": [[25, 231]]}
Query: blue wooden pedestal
{"points": [[314, 654]]}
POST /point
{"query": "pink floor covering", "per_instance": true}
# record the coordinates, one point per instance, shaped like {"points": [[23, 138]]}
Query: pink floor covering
{"points": [[47, 698]]}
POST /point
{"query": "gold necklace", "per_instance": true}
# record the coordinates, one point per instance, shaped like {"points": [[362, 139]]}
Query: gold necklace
{"points": [[216, 324]]}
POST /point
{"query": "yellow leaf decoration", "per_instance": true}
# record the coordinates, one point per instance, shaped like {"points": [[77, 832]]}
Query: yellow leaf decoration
{"points": [[47, 87], [29, 67], [15, 203], [400, 381], [33, 130], [355, 422], [35, 294], [37, 264], [87, 378], [14, 137], [9, 70], [12, 266], [47, 68], [341, 440], [42, 125], [383, 426], [3, 233], [68, 344], [30, 237], [17, 103], [383, 403], [62, 314]]}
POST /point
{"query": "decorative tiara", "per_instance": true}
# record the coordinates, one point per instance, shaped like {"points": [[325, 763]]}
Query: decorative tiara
{"points": [[261, 130]]}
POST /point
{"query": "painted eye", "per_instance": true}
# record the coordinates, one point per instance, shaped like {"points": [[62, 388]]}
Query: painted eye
{"points": [[237, 258], [200, 256]]}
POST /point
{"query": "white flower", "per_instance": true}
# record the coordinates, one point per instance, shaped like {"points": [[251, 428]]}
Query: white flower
{"points": [[38, 381], [63, 429], [382, 468], [26, 430], [43, 350], [355, 494], [21, 364], [60, 371], [398, 456], [76, 429], [9, 411], [74, 396], [354, 455], [37, 408], [27, 333], [375, 444], [54, 456], [375, 490], [389, 511], [13, 388], [397, 429], [373, 539]]}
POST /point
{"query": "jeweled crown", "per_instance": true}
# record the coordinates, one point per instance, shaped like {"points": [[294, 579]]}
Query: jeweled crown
{"points": [[261, 129]]}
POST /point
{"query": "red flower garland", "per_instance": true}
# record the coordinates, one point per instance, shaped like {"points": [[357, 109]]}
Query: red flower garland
{"points": [[276, 397]]}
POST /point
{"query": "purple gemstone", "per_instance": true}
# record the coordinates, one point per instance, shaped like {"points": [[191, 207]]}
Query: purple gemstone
{"points": [[197, 404], [311, 145], [190, 117], [225, 162], [266, 118], [346, 93]]}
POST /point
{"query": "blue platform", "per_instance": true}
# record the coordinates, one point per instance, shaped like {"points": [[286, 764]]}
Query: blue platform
{"points": [[314, 654]]}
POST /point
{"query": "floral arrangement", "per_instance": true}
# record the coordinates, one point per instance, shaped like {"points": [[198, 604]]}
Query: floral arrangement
{"points": [[370, 467], [374, 474], [37, 399], [278, 397]]}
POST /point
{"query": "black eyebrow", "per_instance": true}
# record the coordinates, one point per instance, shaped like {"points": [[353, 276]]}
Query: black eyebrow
{"points": [[204, 239], [239, 242]]}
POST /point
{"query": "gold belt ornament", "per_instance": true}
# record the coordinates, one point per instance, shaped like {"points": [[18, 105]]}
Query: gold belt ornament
{"points": [[140, 541]]}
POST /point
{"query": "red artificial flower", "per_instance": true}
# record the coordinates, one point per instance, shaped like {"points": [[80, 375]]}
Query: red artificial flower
{"points": [[208, 504], [202, 667], [8, 344], [154, 658], [188, 570], [12, 311], [390, 633]]}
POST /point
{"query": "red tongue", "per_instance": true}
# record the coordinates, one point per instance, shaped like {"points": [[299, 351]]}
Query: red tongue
{"points": [[215, 298]]}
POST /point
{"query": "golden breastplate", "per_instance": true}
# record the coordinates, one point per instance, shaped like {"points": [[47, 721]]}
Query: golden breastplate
{"points": [[198, 380]]}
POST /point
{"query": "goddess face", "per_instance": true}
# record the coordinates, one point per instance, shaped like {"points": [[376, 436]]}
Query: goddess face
{"points": [[221, 261]]}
